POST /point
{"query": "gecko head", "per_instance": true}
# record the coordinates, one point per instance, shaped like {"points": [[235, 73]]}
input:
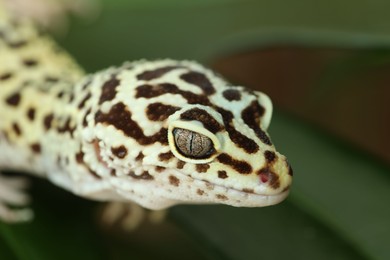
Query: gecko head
{"points": [[174, 132], [226, 150]]}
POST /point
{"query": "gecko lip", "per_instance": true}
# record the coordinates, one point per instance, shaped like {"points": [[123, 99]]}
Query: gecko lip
{"points": [[242, 197], [252, 199], [265, 200]]}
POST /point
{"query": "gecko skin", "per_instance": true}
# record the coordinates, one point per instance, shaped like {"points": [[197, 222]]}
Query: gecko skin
{"points": [[158, 133]]}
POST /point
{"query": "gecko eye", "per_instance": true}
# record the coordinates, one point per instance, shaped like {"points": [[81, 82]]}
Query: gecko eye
{"points": [[192, 144]]}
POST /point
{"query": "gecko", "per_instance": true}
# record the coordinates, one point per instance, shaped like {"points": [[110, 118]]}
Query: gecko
{"points": [[155, 133]]}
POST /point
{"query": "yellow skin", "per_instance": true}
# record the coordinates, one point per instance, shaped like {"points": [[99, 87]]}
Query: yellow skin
{"points": [[157, 133]]}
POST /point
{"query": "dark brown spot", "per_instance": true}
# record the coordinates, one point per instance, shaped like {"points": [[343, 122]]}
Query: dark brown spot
{"points": [[232, 95], [36, 148], [165, 156], [180, 164], [248, 190], [16, 129], [159, 111], [60, 94], [109, 90], [119, 151], [239, 139], [144, 176], [71, 97], [203, 116], [200, 192], [14, 99], [93, 173], [30, 62], [31, 113], [221, 197], [85, 122], [240, 166], [268, 176], [269, 156], [47, 121], [5, 76], [67, 127], [159, 168], [200, 80], [252, 116], [174, 181], [222, 174], [80, 157], [202, 167], [154, 74], [140, 157], [120, 118], [85, 99], [149, 91]]}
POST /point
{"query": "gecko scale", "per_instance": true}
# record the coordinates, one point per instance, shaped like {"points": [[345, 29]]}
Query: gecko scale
{"points": [[157, 133]]}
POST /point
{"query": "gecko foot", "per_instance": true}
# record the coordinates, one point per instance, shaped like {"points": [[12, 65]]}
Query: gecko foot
{"points": [[129, 216], [12, 195]]}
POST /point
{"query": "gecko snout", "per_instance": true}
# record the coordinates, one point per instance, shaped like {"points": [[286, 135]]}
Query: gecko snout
{"points": [[278, 175]]}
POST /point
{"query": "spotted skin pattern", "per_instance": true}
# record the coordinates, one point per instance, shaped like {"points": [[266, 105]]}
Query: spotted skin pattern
{"points": [[111, 136]]}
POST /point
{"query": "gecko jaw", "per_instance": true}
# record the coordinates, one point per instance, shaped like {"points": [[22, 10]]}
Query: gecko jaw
{"points": [[240, 198]]}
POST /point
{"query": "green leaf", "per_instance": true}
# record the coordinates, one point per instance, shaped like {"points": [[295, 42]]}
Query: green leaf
{"points": [[279, 232], [204, 30]]}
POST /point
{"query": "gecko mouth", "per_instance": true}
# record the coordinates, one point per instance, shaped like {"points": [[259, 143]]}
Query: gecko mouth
{"points": [[242, 198], [237, 197], [206, 192]]}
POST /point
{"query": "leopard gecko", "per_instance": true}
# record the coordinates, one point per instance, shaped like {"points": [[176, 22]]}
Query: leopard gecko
{"points": [[157, 133]]}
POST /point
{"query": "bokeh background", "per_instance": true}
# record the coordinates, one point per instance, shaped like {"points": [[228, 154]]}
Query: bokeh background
{"points": [[326, 66]]}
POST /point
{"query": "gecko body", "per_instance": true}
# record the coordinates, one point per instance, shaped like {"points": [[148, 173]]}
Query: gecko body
{"points": [[158, 133]]}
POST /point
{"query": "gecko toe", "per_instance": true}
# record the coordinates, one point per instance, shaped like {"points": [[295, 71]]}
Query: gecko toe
{"points": [[11, 191], [11, 215], [12, 195], [126, 216]]}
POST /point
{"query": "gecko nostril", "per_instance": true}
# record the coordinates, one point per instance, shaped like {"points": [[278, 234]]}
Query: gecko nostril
{"points": [[264, 177]]}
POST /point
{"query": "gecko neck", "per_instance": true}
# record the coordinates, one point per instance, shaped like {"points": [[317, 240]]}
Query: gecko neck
{"points": [[37, 81]]}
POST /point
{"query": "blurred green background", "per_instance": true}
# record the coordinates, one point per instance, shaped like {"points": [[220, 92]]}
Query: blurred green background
{"points": [[326, 66]]}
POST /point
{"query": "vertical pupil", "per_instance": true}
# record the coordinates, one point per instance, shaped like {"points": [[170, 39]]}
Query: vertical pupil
{"points": [[192, 144]]}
